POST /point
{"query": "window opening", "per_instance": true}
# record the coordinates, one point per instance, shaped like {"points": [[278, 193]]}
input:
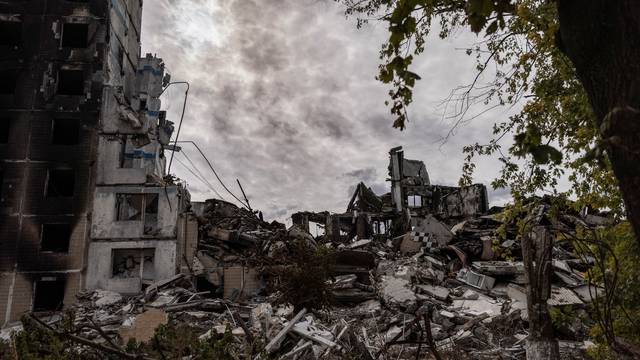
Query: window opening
{"points": [[65, 132], [60, 183], [75, 35], [10, 33], [414, 201], [151, 214], [8, 81], [129, 207], [70, 82], [49, 294], [55, 237], [133, 263]]}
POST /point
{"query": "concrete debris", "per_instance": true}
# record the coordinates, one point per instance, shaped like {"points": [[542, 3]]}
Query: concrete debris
{"points": [[106, 298], [437, 292], [396, 291], [496, 268], [143, 326], [469, 277]]}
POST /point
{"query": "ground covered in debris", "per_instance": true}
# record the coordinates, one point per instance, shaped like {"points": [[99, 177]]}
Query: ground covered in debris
{"points": [[446, 289]]}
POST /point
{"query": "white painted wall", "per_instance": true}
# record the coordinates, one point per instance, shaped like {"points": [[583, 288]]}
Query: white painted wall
{"points": [[99, 268], [105, 226]]}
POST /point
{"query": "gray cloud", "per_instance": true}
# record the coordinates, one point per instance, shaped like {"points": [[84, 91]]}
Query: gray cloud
{"points": [[365, 175], [283, 97]]}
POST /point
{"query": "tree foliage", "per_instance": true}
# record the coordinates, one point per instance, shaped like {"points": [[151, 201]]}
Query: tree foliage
{"points": [[555, 135]]}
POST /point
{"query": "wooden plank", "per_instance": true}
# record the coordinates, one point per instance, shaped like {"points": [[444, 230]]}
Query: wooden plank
{"points": [[312, 336], [274, 344]]}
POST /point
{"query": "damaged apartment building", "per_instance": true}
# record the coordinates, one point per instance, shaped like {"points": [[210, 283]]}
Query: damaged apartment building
{"points": [[85, 202], [410, 205]]}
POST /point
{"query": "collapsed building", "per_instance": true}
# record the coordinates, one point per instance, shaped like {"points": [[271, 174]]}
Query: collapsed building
{"points": [[423, 268], [411, 201], [85, 202]]}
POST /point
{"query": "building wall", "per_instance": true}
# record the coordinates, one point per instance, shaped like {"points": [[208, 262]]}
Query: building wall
{"points": [[105, 225], [61, 63], [100, 270], [132, 135], [79, 105]]}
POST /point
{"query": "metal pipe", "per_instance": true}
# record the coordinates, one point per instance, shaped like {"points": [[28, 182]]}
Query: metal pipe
{"points": [[184, 106]]}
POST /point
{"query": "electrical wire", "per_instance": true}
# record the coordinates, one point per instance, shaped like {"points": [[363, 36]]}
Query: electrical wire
{"points": [[202, 177], [184, 107], [206, 183], [214, 171]]}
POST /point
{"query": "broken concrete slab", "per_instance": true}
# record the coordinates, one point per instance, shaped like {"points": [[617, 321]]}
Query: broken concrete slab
{"points": [[438, 292], [469, 277], [481, 305], [397, 291], [241, 282], [359, 243], [106, 298], [497, 268], [144, 326]]}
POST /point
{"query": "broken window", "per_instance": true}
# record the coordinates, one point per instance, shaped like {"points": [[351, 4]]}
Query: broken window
{"points": [[316, 229], [10, 33], [70, 82], [151, 214], [65, 132], [126, 160], [138, 207], [380, 227], [60, 183], [8, 81], [129, 207], [49, 294], [55, 237], [5, 125], [75, 35], [133, 263], [414, 201]]}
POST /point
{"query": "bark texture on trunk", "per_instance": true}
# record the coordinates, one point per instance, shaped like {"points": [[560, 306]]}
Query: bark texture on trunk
{"points": [[602, 40], [542, 349], [537, 249]]}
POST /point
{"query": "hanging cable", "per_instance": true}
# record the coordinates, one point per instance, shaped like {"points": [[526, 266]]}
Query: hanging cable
{"points": [[184, 107], [205, 183], [214, 171], [202, 177]]}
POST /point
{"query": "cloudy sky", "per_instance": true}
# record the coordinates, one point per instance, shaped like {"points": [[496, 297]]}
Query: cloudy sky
{"points": [[283, 97]]}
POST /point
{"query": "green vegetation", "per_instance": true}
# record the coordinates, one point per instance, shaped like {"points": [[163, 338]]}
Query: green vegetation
{"points": [[303, 282], [561, 131]]}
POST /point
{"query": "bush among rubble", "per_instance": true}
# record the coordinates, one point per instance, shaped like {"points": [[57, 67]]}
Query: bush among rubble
{"points": [[6, 350], [619, 268], [177, 342], [35, 342], [304, 283]]}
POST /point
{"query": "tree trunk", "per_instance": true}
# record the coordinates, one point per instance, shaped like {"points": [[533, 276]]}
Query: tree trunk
{"points": [[602, 40], [537, 248]]}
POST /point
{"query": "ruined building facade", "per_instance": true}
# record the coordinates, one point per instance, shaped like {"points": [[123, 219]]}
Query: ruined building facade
{"points": [[411, 204], [84, 202]]}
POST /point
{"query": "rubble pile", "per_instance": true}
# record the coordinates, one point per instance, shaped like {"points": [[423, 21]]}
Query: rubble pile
{"points": [[447, 286], [429, 289]]}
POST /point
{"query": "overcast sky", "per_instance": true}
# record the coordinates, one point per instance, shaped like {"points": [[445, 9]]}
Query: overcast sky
{"points": [[283, 97]]}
